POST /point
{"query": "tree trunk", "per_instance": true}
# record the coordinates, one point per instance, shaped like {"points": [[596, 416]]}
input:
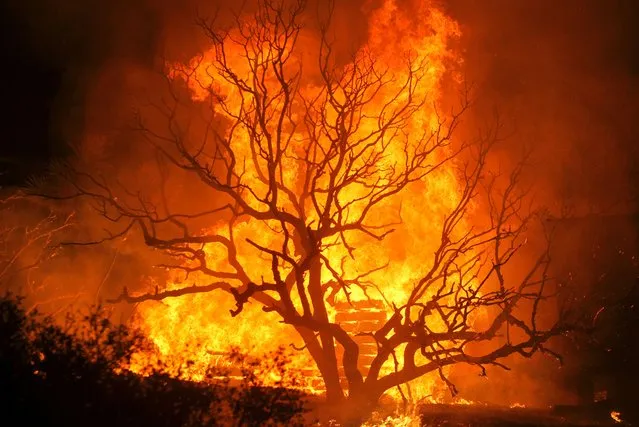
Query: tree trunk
{"points": [[328, 366]]}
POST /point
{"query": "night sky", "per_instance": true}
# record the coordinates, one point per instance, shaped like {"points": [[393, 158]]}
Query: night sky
{"points": [[51, 49], [30, 84]]}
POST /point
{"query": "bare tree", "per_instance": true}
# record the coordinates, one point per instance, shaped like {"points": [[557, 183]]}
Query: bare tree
{"points": [[29, 236], [313, 167]]}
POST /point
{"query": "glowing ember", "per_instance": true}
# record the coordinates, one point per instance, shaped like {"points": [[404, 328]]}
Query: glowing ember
{"points": [[396, 421], [466, 402], [616, 416]]}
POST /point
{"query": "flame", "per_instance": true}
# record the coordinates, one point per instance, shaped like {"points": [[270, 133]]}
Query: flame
{"points": [[198, 328], [396, 421], [465, 402], [616, 416]]}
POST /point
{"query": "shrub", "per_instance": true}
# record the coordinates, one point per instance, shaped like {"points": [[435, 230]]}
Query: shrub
{"points": [[73, 374]]}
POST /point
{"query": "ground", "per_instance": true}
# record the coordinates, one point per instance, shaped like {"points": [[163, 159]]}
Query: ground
{"points": [[483, 416]]}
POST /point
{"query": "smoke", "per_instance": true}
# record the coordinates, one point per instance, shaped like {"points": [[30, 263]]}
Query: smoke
{"points": [[564, 75]]}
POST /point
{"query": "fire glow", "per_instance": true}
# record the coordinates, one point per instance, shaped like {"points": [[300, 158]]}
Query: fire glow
{"points": [[331, 208], [194, 327]]}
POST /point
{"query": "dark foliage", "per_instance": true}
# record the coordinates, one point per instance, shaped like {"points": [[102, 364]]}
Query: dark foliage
{"points": [[71, 375], [253, 404]]}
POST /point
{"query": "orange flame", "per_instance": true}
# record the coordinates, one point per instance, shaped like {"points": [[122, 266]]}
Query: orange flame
{"points": [[616, 416], [197, 327]]}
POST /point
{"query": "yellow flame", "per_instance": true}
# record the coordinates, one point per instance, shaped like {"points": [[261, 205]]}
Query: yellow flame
{"points": [[396, 421], [616, 416], [198, 328]]}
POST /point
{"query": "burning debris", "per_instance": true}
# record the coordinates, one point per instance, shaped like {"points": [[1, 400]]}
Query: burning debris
{"points": [[616, 416]]}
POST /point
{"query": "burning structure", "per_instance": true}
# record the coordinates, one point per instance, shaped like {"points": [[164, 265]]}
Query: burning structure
{"points": [[330, 196]]}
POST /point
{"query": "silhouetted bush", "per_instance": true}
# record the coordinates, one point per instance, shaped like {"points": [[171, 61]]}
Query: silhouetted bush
{"points": [[72, 375]]}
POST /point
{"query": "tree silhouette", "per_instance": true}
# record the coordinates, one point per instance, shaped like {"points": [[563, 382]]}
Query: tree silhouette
{"points": [[310, 167], [28, 240]]}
